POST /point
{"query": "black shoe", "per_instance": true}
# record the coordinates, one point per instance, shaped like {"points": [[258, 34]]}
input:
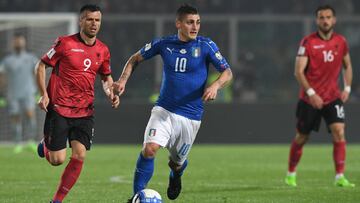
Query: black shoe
{"points": [[174, 188], [40, 149], [131, 199]]}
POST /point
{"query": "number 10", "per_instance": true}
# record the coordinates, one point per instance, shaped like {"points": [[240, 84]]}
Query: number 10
{"points": [[180, 64]]}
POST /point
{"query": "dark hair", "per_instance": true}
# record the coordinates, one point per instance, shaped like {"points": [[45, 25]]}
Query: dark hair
{"points": [[185, 9], [325, 7], [90, 7]]}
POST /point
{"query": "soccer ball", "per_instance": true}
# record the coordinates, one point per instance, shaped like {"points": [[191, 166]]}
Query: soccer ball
{"points": [[147, 196]]}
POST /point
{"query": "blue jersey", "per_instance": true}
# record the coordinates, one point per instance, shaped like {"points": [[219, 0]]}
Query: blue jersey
{"points": [[185, 72]]}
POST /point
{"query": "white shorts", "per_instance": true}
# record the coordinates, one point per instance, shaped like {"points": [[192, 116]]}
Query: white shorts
{"points": [[176, 133]]}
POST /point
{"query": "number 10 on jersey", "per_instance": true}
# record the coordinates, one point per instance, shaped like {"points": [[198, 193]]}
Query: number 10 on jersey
{"points": [[180, 64]]}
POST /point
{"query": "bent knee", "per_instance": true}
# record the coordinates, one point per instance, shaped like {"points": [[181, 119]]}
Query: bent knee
{"points": [[150, 150], [56, 161]]}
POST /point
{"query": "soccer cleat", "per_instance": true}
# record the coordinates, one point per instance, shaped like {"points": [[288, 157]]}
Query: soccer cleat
{"points": [[131, 199], [290, 180], [174, 188], [40, 149], [343, 182], [55, 201], [18, 149]]}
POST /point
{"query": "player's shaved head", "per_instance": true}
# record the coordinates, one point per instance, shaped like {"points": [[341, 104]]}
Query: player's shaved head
{"points": [[325, 7], [185, 9], [89, 7]]}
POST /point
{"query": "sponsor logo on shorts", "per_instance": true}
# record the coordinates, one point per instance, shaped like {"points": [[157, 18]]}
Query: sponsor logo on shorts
{"points": [[152, 132]]}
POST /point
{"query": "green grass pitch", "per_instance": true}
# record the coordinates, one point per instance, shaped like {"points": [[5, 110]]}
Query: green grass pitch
{"points": [[216, 174]]}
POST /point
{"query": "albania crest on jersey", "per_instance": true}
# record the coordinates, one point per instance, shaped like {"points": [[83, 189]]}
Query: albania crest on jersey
{"points": [[195, 51]]}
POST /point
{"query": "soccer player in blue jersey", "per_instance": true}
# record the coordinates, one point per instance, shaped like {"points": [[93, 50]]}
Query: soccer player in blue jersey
{"points": [[176, 117]]}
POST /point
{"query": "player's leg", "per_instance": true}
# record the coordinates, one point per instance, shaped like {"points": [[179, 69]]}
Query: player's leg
{"points": [[80, 137], [335, 118], [156, 135], [15, 124], [145, 166], [30, 121], [72, 171], [308, 119], [179, 147], [53, 145]]}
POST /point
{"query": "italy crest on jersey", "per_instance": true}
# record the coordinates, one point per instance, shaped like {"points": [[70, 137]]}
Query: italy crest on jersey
{"points": [[195, 52]]}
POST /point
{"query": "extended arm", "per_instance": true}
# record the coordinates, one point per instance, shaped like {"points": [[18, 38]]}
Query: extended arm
{"points": [[300, 66], [210, 92], [133, 61]]}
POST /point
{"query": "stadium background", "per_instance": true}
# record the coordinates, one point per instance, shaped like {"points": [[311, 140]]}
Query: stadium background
{"points": [[259, 39]]}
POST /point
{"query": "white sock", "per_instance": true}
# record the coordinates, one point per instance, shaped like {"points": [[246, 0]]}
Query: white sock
{"points": [[339, 175], [291, 173]]}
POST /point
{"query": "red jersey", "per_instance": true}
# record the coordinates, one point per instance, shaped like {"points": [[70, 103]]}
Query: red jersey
{"points": [[75, 65], [325, 58]]}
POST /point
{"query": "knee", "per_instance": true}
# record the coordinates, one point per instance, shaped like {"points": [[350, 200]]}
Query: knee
{"points": [[79, 156], [301, 139], [338, 133], [149, 151], [56, 160]]}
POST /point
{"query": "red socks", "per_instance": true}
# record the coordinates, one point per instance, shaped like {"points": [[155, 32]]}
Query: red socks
{"points": [[68, 178], [294, 156], [339, 154]]}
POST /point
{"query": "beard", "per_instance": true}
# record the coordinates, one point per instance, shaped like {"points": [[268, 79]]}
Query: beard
{"points": [[326, 29]]}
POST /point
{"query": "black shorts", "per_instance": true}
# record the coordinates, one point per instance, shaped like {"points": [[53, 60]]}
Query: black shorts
{"points": [[309, 118], [58, 130]]}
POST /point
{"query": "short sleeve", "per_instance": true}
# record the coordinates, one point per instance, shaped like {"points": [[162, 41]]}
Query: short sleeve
{"points": [[54, 54], [303, 48], [151, 49], [215, 57], [105, 68]]}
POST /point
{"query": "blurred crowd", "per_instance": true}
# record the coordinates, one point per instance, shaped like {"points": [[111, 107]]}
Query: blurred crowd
{"points": [[167, 6]]}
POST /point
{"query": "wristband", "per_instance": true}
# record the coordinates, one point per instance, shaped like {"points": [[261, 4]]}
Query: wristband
{"points": [[310, 92], [347, 89]]}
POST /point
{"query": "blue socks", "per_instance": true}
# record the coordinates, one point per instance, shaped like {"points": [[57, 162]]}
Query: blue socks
{"points": [[179, 173], [143, 172]]}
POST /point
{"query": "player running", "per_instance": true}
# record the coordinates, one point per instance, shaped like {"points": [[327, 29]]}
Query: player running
{"points": [[176, 117], [69, 97], [317, 68]]}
